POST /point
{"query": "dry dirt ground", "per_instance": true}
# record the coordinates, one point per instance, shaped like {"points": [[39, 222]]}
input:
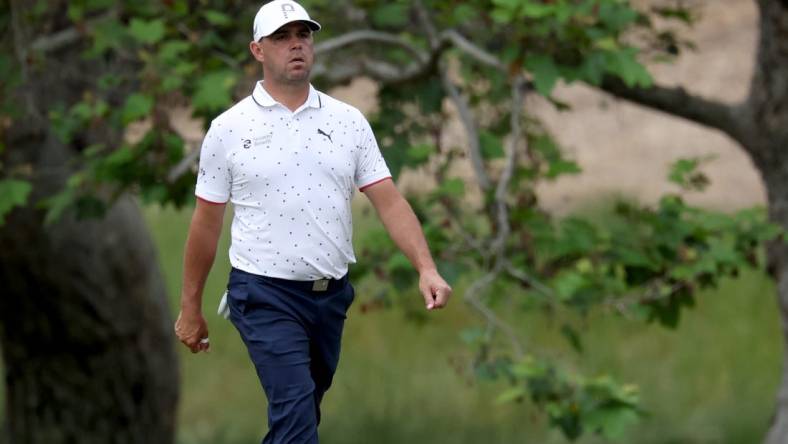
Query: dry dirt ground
{"points": [[625, 149]]}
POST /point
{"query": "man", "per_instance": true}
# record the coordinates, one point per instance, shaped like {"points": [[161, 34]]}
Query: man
{"points": [[289, 158]]}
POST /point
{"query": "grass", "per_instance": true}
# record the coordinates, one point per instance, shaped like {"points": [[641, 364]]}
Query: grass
{"points": [[711, 381]]}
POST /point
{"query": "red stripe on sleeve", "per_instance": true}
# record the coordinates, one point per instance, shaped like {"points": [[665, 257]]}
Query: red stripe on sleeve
{"points": [[210, 202], [373, 183]]}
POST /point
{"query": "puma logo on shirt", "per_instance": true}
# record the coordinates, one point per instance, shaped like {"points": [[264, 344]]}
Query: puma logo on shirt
{"points": [[321, 132]]}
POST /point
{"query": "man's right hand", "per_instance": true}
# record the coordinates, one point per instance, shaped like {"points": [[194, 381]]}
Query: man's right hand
{"points": [[192, 330]]}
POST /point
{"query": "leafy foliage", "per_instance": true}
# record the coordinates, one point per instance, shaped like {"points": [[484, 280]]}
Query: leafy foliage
{"points": [[574, 404], [13, 193]]}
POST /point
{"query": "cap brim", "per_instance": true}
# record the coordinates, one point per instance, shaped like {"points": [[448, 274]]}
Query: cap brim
{"points": [[313, 25]]}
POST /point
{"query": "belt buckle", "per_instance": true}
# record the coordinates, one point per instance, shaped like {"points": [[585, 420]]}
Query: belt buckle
{"points": [[320, 285]]}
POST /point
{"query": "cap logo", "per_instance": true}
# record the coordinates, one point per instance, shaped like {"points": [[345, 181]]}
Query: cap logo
{"points": [[287, 7]]}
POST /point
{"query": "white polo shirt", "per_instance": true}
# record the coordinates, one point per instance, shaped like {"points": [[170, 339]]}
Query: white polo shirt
{"points": [[290, 177]]}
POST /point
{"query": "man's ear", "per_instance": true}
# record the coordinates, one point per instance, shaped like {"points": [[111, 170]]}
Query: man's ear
{"points": [[257, 51]]}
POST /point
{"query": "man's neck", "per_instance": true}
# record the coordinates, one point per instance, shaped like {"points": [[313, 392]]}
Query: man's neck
{"points": [[291, 96]]}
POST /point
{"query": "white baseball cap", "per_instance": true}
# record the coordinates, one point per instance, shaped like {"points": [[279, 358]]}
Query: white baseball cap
{"points": [[278, 13]]}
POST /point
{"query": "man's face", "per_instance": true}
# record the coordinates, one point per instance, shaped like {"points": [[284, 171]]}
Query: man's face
{"points": [[287, 55]]}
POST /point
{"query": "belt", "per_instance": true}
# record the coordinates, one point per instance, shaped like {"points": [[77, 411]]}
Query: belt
{"points": [[319, 285]]}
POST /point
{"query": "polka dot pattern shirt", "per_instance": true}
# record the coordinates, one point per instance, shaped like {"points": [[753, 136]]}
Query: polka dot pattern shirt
{"points": [[290, 177]]}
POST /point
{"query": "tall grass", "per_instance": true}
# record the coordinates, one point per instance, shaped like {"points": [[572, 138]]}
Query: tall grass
{"points": [[712, 380]]}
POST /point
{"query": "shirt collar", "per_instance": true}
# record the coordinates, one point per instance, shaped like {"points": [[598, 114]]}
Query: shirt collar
{"points": [[262, 98]]}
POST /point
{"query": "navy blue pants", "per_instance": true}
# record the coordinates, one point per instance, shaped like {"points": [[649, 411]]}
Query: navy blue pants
{"points": [[293, 335]]}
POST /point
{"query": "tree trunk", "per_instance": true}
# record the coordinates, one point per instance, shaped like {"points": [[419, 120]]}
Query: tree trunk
{"points": [[85, 330], [778, 258], [775, 174], [767, 142], [84, 326]]}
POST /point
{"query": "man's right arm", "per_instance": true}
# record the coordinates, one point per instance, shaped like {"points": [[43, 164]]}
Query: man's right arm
{"points": [[200, 251]]}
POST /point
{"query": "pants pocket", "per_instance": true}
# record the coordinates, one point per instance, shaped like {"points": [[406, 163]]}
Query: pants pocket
{"points": [[237, 293]]}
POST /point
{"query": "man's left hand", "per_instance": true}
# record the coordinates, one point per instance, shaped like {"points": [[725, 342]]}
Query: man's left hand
{"points": [[434, 289]]}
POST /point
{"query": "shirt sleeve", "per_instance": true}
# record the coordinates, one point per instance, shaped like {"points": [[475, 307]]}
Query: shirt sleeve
{"points": [[370, 165], [214, 178]]}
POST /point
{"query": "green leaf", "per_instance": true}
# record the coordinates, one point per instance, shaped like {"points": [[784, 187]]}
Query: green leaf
{"points": [[561, 167], [390, 15], [418, 154], [214, 91], [682, 14], [511, 394], [680, 169], [217, 18], [58, 203], [137, 106], [611, 422], [568, 283], [464, 13], [13, 193], [536, 10], [430, 96], [607, 43], [573, 337], [634, 257], [109, 81], [454, 187], [685, 173], [184, 68], [172, 50], [171, 83], [593, 67], [147, 31], [400, 271], [501, 15], [617, 15], [75, 11], [544, 71], [491, 145], [624, 64], [505, 10], [107, 35]]}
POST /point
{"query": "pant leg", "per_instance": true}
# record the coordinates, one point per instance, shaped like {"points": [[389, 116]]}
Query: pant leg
{"points": [[278, 343], [327, 339]]}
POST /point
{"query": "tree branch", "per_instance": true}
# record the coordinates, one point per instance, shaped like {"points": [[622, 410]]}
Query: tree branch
{"points": [[472, 50], [678, 102], [531, 282], [188, 161], [369, 36], [466, 117], [388, 73], [426, 24], [499, 242], [56, 41], [379, 70], [21, 51], [63, 38], [502, 190], [474, 148], [472, 298]]}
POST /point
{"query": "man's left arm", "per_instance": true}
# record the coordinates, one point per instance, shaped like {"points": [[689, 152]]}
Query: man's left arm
{"points": [[404, 228]]}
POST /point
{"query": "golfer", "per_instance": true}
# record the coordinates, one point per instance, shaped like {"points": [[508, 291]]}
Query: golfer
{"points": [[289, 158]]}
